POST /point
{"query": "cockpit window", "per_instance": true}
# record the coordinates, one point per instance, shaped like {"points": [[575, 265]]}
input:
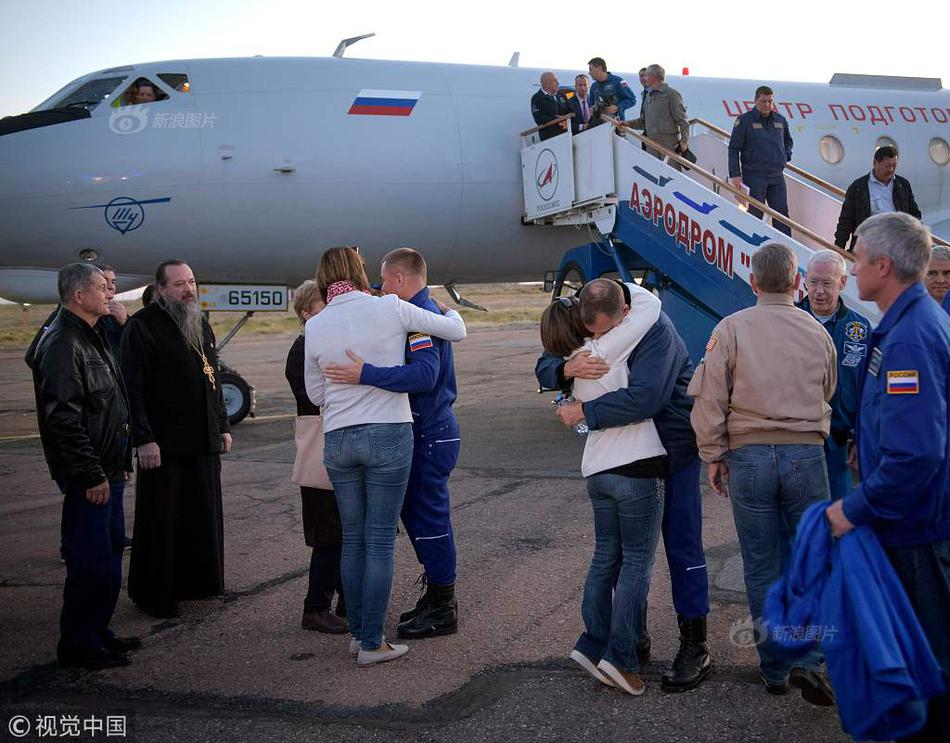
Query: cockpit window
{"points": [[175, 81], [90, 94], [142, 90]]}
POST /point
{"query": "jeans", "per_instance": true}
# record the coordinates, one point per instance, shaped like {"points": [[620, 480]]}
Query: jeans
{"points": [[369, 466], [770, 486], [93, 537], [924, 571], [628, 513]]}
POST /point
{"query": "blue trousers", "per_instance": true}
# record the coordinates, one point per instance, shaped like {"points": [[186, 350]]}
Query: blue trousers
{"points": [[924, 571], [628, 512], [93, 540], [426, 512], [770, 486], [369, 467], [772, 191], [683, 541], [839, 473]]}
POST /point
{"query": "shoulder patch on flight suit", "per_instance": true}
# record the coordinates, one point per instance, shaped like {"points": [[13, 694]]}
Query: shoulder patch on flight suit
{"points": [[418, 341], [711, 343], [736, 123], [904, 382]]}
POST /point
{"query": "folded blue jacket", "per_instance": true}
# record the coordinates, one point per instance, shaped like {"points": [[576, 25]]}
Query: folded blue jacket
{"points": [[879, 661]]}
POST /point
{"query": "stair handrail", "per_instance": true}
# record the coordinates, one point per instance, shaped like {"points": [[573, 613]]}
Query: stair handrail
{"points": [[805, 174], [789, 166], [741, 194], [552, 122]]}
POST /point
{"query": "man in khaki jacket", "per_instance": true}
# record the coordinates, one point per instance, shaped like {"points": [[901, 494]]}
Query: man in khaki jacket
{"points": [[662, 115], [761, 416]]}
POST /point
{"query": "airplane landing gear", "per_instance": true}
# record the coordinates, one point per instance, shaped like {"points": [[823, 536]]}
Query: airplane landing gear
{"points": [[240, 399]]}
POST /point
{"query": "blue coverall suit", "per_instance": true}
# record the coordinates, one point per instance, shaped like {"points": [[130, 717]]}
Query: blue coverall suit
{"points": [[762, 145], [617, 86], [903, 440], [429, 378], [659, 373], [850, 332]]}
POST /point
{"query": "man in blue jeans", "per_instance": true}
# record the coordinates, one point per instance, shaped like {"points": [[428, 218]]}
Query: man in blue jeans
{"points": [[659, 371], [902, 433], [761, 416], [83, 413]]}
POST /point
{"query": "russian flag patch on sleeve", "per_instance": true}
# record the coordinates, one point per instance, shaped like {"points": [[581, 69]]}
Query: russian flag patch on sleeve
{"points": [[903, 382], [418, 341]]}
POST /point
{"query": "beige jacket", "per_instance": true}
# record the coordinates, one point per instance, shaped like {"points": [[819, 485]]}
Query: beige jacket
{"points": [[767, 377], [663, 117]]}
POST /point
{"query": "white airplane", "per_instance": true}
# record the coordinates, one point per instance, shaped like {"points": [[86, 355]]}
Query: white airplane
{"points": [[249, 168]]}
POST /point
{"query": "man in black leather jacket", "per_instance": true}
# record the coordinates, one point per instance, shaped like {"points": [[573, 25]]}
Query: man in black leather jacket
{"points": [[83, 414]]}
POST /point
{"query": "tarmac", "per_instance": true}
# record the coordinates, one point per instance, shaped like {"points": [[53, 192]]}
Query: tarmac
{"points": [[240, 668]]}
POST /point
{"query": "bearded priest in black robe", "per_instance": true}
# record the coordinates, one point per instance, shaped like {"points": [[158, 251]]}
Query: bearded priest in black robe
{"points": [[180, 428]]}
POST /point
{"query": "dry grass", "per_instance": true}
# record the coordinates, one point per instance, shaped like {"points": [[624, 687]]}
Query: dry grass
{"points": [[507, 304]]}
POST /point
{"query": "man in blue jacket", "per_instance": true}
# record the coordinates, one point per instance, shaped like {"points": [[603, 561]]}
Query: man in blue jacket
{"points": [[607, 87], [825, 279], [429, 378], [659, 373], [902, 432], [759, 148]]}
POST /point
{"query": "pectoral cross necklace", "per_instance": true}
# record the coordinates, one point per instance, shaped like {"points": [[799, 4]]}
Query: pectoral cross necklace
{"points": [[206, 368]]}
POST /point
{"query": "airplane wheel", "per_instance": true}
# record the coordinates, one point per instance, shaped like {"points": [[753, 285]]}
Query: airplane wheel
{"points": [[569, 281], [237, 396]]}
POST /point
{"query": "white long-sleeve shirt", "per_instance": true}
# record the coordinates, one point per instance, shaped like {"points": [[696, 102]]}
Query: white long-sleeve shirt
{"points": [[374, 328], [612, 447]]}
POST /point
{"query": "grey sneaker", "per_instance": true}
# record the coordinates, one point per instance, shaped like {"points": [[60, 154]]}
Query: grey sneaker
{"points": [[384, 653]]}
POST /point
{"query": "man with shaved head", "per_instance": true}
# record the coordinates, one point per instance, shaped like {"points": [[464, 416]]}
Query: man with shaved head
{"points": [[548, 104]]}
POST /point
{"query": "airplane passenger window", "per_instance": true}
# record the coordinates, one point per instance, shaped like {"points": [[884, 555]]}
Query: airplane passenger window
{"points": [[142, 90], [831, 149], [176, 81], [886, 142], [939, 151], [90, 94]]}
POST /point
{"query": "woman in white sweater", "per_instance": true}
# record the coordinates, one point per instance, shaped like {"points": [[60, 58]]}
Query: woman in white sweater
{"points": [[624, 469], [368, 433]]}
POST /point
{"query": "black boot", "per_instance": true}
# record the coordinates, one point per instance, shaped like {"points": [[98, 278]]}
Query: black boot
{"points": [[421, 604], [437, 616], [692, 664]]}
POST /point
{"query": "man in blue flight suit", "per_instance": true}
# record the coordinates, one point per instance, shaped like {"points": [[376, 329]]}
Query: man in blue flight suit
{"points": [[608, 86], [762, 144], [825, 279], [429, 378], [659, 373], [903, 433]]}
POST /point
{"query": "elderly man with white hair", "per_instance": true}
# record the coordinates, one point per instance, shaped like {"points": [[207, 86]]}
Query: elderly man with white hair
{"points": [[825, 279], [937, 279]]}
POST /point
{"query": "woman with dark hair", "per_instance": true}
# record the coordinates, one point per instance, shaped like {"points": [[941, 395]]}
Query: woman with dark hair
{"points": [[367, 432], [321, 518]]}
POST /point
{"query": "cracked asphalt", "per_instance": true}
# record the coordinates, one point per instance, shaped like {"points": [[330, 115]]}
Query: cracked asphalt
{"points": [[240, 668]]}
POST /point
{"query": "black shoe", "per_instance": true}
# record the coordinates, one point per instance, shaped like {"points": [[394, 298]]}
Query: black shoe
{"points": [[159, 611], [814, 686], [438, 615], [323, 621], [93, 660], [421, 604], [692, 664], [121, 644], [776, 689], [340, 610]]}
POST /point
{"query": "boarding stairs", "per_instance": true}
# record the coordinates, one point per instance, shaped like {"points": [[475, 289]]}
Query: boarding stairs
{"points": [[686, 234]]}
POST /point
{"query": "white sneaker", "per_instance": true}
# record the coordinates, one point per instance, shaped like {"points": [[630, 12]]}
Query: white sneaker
{"points": [[625, 680], [588, 665], [354, 646], [385, 652]]}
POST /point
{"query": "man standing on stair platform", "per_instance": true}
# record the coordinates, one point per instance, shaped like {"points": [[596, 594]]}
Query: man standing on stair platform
{"points": [[825, 279], [429, 377], [759, 149], [902, 433], [609, 90]]}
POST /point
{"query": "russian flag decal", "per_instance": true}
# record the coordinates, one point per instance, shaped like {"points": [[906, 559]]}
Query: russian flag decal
{"points": [[903, 382], [385, 102]]}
